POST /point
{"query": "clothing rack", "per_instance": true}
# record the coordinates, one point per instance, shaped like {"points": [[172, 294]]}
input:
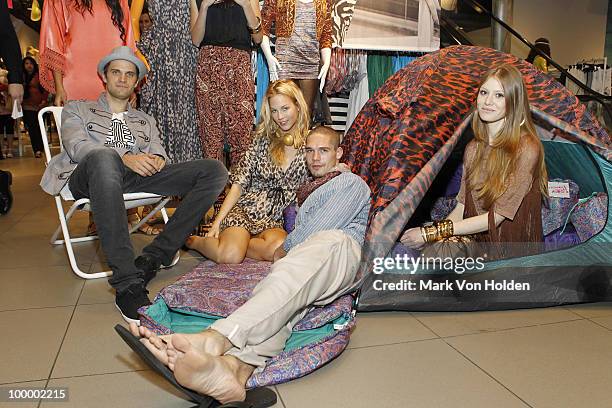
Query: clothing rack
{"points": [[589, 67]]}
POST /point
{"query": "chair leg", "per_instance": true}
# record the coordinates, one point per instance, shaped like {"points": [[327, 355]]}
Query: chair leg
{"points": [[159, 207], [177, 256], [68, 243], [75, 206]]}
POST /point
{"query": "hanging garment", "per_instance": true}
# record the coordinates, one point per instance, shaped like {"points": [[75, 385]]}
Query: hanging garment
{"points": [[400, 61], [263, 79], [380, 68], [598, 80], [360, 95], [579, 75], [168, 94]]}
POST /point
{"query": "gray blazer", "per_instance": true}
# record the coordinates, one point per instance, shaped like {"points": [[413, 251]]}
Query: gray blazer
{"points": [[85, 126]]}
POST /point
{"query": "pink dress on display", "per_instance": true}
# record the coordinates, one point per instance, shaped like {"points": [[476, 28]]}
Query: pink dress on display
{"points": [[73, 43]]}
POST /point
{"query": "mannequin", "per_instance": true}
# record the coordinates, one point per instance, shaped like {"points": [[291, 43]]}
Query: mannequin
{"points": [[168, 95], [225, 32], [74, 36], [297, 24]]}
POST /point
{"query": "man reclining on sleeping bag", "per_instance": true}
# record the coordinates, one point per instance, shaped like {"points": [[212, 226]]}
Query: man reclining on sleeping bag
{"points": [[316, 264]]}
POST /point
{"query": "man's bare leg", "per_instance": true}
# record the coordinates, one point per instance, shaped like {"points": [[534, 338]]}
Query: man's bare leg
{"points": [[221, 377]]}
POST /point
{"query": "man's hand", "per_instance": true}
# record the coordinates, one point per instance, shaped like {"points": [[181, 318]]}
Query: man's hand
{"points": [[279, 253], [16, 92], [143, 164], [160, 162]]}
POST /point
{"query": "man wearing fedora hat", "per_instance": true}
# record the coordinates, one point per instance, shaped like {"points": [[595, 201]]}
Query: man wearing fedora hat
{"points": [[111, 149]]}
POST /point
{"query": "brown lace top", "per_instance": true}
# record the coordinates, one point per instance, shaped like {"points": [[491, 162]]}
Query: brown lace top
{"points": [[520, 204]]}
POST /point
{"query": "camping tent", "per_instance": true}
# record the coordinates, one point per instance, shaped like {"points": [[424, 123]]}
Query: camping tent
{"points": [[403, 137]]}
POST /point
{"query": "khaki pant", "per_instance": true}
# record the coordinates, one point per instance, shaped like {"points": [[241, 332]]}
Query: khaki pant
{"points": [[315, 272]]}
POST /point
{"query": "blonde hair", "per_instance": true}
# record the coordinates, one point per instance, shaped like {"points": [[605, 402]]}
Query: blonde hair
{"points": [[268, 128], [506, 145]]}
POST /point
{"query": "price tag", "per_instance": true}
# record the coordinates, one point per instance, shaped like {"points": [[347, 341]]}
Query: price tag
{"points": [[558, 189]]}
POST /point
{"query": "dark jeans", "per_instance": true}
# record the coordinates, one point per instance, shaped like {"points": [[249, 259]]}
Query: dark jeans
{"points": [[103, 178], [30, 121]]}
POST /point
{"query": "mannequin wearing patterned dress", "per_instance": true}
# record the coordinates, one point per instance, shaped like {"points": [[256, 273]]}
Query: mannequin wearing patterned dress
{"points": [[168, 95], [74, 36], [303, 42]]}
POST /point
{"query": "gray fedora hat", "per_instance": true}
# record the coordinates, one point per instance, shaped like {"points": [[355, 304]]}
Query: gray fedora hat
{"points": [[123, 53]]}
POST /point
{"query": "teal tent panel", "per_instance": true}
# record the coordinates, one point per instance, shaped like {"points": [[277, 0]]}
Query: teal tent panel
{"points": [[570, 160]]}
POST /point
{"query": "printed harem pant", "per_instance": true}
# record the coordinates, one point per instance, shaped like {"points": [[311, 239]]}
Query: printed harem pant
{"points": [[225, 97]]}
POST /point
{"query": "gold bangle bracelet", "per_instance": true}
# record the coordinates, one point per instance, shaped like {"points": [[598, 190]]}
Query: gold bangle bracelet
{"points": [[423, 234], [257, 28], [431, 233], [445, 228]]}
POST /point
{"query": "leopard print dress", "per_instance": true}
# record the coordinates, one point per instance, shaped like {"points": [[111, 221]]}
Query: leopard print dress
{"points": [[266, 189]]}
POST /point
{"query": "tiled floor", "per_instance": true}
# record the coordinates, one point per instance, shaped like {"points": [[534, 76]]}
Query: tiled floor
{"points": [[57, 331]]}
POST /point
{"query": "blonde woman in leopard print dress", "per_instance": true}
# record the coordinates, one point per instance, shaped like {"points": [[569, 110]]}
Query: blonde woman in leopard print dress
{"points": [[250, 221]]}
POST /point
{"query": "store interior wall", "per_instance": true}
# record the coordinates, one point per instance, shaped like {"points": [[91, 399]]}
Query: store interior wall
{"points": [[576, 29]]}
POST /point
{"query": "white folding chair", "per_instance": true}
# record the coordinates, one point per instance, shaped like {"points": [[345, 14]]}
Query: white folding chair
{"points": [[131, 200]]}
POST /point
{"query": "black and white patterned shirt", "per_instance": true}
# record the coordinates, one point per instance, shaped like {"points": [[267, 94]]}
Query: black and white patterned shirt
{"points": [[119, 134]]}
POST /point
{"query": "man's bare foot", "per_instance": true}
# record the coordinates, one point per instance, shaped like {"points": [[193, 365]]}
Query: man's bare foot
{"points": [[208, 341], [157, 345], [221, 377]]}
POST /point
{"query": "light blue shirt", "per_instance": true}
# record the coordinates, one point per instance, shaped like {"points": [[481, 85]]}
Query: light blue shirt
{"points": [[343, 203]]}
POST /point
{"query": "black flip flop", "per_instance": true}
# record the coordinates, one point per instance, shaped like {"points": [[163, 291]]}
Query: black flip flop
{"points": [[256, 398]]}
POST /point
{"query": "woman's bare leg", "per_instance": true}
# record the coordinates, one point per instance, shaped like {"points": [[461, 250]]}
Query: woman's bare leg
{"points": [[262, 246], [229, 248]]}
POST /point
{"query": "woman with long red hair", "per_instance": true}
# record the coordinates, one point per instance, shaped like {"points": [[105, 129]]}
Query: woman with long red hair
{"points": [[504, 177]]}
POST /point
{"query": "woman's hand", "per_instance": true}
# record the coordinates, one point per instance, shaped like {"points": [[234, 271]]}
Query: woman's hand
{"points": [[213, 232], [413, 238], [342, 168], [60, 96], [207, 3], [243, 3], [16, 92]]}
